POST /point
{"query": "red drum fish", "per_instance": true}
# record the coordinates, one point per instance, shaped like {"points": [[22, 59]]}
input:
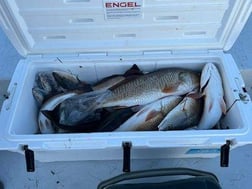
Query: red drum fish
{"points": [[135, 91]]}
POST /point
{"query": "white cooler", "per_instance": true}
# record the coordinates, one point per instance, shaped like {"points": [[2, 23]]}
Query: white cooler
{"points": [[94, 39]]}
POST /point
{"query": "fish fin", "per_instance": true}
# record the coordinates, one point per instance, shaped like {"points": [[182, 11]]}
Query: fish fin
{"points": [[126, 80], [47, 113], [107, 79], [68, 80], [151, 115], [169, 89], [223, 106], [50, 114], [134, 70]]}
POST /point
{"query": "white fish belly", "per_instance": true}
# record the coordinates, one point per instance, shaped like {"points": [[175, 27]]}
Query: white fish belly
{"points": [[158, 108], [211, 116]]}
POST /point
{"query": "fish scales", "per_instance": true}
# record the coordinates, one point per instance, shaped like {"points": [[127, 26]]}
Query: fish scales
{"points": [[186, 114], [143, 89]]}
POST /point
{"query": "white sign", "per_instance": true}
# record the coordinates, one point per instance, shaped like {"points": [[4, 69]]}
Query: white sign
{"points": [[122, 9]]}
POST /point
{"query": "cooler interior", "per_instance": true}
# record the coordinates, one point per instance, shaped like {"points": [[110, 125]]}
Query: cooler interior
{"points": [[21, 110]]}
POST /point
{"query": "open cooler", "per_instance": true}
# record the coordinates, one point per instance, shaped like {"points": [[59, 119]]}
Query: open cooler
{"points": [[94, 39]]}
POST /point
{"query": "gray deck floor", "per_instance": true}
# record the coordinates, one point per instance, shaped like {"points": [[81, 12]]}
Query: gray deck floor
{"points": [[87, 174]]}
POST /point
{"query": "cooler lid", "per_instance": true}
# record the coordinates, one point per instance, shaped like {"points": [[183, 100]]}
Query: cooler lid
{"points": [[81, 26]]}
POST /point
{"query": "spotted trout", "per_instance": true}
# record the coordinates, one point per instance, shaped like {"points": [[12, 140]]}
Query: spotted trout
{"points": [[132, 92]]}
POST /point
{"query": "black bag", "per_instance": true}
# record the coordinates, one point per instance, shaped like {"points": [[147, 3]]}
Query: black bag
{"points": [[200, 180]]}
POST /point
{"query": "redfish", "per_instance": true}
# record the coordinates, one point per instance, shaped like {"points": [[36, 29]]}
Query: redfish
{"points": [[212, 90], [150, 115], [132, 92]]}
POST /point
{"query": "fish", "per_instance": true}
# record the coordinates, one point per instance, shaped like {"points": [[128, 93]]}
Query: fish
{"points": [[113, 119], [46, 126], [45, 87], [106, 120], [39, 95], [77, 113], [70, 81], [133, 71], [133, 92], [212, 90], [46, 81], [90, 124], [185, 115], [108, 82], [49, 84], [152, 86], [150, 115], [116, 79]]}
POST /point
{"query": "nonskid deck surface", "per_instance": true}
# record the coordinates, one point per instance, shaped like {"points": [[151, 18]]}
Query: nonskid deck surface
{"points": [[87, 174]]}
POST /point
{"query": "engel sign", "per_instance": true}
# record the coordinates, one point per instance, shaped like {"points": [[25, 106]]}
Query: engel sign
{"points": [[121, 4], [122, 9]]}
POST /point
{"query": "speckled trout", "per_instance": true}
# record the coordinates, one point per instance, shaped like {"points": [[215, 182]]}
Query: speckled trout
{"points": [[135, 91]]}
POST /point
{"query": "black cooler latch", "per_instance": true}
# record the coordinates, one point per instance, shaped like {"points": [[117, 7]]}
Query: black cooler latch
{"points": [[224, 156], [126, 156], [29, 158]]}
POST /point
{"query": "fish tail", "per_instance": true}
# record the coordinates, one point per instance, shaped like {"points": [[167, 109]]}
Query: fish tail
{"points": [[80, 107]]}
